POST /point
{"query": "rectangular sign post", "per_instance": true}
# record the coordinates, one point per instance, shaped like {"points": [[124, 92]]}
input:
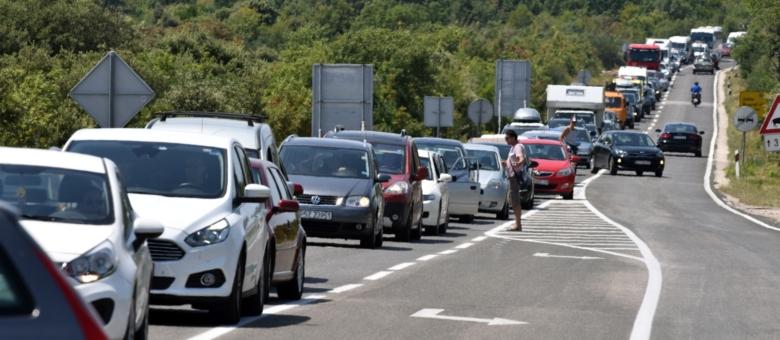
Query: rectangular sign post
{"points": [[513, 87], [754, 99], [342, 95], [438, 112]]}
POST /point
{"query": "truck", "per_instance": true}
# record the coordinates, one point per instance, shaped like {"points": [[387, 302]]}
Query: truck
{"points": [[644, 55], [577, 102]]}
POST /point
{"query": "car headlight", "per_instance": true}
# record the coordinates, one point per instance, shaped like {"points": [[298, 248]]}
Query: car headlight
{"points": [[94, 265], [494, 183], [564, 172], [213, 234], [398, 188], [357, 201], [621, 153], [428, 197]]}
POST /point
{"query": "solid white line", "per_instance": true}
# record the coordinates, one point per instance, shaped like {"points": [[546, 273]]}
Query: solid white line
{"points": [[426, 257], [345, 288], [448, 251], [479, 239], [710, 158], [401, 266], [465, 245], [377, 276]]}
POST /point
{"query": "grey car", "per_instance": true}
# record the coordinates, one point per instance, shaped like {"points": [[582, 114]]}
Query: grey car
{"points": [[494, 196], [703, 65], [342, 195]]}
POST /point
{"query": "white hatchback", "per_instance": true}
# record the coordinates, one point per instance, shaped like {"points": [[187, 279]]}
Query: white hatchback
{"points": [[76, 208], [214, 252], [436, 196]]}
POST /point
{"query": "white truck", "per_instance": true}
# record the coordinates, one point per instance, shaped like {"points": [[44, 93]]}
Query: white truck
{"points": [[575, 101]]}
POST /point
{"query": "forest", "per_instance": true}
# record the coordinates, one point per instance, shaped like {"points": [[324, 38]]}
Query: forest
{"points": [[255, 56]]}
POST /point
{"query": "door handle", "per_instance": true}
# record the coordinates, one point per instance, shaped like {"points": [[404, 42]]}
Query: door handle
{"points": [[473, 187]]}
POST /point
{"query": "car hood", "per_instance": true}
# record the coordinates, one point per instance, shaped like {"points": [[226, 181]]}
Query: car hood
{"points": [[331, 186], [64, 242], [551, 165], [632, 149], [180, 213]]}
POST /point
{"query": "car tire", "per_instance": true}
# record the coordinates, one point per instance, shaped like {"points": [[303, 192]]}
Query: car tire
{"points": [[659, 173], [445, 225], [466, 219], [142, 333], [568, 196], [404, 232], [504, 213], [434, 229], [130, 328], [697, 154], [416, 234], [229, 310], [613, 168], [253, 305], [592, 162], [639, 173], [369, 241], [528, 205], [293, 289]]}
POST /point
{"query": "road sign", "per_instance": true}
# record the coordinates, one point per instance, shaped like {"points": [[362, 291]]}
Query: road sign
{"points": [[754, 99], [745, 119], [438, 112], [112, 93], [480, 111], [342, 95], [772, 142], [513, 86], [772, 120]]}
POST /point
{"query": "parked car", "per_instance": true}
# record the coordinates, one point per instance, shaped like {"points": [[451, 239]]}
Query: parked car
{"points": [[37, 300], [725, 49], [284, 225], [554, 173], [627, 150], [703, 65], [76, 208], [464, 188], [255, 136], [342, 188], [214, 252], [397, 156], [680, 137], [494, 197], [436, 195]]}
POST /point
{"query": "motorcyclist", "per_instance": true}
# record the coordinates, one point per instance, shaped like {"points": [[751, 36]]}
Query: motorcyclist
{"points": [[696, 92]]}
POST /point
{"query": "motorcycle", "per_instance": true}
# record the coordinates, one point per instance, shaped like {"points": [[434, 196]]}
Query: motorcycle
{"points": [[695, 99]]}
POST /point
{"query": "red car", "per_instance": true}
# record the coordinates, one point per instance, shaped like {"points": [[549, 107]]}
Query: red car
{"points": [[556, 172]]}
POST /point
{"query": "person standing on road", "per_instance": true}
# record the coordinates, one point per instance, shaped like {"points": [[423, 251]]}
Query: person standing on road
{"points": [[514, 169], [567, 130]]}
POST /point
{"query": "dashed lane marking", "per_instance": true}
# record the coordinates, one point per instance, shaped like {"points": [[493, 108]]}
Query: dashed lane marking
{"points": [[377, 276], [401, 266], [426, 257], [345, 288]]}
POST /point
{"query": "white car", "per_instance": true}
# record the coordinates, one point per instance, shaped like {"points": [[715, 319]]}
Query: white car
{"points": [[76, 208], [494, 196], [436, 196], [214, 251]]}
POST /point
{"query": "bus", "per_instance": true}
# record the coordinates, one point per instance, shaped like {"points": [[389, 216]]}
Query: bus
{"points": [[644, 55], [711, 35]]}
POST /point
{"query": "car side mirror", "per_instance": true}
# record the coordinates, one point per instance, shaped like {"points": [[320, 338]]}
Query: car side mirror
{"points": [[657, 130], [422, 173], [701, 132], [533, 164], [146, 228], [445, 178], [255, 193], [295, 188], [288, 206], [383, 178]]}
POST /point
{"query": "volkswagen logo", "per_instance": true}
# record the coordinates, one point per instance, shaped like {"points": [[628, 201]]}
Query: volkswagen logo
{"points": [[315, 199]]}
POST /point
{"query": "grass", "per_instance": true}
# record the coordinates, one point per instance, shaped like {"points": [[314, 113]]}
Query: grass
{"points": [[759, 182]]}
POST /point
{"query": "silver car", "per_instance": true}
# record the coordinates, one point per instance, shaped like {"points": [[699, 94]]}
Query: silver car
{"points": [[494, 197]]}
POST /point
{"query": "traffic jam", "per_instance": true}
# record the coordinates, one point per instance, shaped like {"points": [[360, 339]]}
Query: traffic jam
{"points": [[209, 210]]}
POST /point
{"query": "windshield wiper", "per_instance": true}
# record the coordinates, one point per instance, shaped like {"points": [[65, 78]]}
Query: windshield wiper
{"points": [[39, 218]]}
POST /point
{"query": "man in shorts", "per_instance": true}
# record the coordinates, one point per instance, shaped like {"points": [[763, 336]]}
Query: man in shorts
{"points": [[514, 168]]}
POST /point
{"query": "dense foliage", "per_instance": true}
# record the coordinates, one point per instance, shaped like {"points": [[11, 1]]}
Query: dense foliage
{"points": [[256, 55]]}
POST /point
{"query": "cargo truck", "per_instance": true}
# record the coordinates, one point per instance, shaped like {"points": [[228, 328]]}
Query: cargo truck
{"points": [[577, 102]]}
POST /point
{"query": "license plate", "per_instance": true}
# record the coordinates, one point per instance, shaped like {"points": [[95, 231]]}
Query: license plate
{"points": [[643, 163], [316, 215], [680, 137], [542, 182]]}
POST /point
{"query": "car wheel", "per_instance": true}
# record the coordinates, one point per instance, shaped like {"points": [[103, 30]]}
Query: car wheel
{"points": [[659, 173], [639, 173], [466, 219], [568, 196], [142, 333], [229, 311], [445, 225], [416, 234], [504, 213], [130, 329], [404, 232], [369, 241], [529, 204], [293, 289], [434, 229], [593, 168], [698, 153], [253, 305], [613, 168]]}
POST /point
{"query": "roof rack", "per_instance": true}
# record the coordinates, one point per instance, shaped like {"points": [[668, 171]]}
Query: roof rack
{"points": [[249, 118]]}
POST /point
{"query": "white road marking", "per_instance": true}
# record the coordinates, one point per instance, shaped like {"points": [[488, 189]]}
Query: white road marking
{"points": [[710, 159], [426, 257], [465, 245], [568, 256], [401, 266], [448, 252], [479, 239], [377, 276], [345, 288], [433, 313]]}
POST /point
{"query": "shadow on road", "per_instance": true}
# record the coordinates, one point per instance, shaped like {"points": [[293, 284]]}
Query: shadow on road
{"points": [[357, 246], [428, 240], [277, 320], [182, 317]]}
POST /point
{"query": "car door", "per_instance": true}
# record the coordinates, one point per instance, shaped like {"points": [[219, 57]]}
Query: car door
{"points": [[464, 191], [249, 217], [417, 205], [599, 150], [284, 224], [438, 164]]}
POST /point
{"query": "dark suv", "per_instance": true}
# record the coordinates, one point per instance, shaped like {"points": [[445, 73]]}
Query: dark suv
{"points": [[343, 188], [396, 156]]}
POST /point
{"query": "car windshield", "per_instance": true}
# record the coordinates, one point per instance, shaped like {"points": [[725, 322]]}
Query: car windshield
{"points": [[57, 195], [614, 102], [452, 155], [582, 117], [632, 139], [702, 36], [680, 128], [545, 151], [391, 158], [426, 162], [578, 136], [639, 54], [700, 48], [325, 161], [487, 159], [554, 123], [166, 169], [630, 97], [677, 46]]}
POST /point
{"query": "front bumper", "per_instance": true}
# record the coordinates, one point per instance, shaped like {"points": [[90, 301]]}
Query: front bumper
{"points": [[640, 163], [346, 222], [554, 184], [111, 297], [493, 199]]}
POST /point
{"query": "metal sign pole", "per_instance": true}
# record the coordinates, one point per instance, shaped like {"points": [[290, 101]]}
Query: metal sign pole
{"points": [[744, 152], [438, 115], [479, 119], [500, 90], [111, 88]]}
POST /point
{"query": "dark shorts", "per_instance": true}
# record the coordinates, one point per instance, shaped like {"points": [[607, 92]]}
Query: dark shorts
{"points": [[514, 191]]}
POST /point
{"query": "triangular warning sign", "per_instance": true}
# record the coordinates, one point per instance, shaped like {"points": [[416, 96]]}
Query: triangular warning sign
{"points": [[772, 120]]}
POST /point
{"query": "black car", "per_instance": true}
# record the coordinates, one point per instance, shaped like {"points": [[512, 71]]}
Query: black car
{"points": [[627, 150], [343, 188], [680, 137], [580, 144]]}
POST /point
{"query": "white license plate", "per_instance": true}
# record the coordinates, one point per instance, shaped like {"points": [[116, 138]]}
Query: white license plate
{"points": [[542, 182], [643, 163], [680, 137], [317, 215]]}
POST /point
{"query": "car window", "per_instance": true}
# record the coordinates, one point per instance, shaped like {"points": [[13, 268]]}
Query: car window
{"points": [[426, 162], [452, 155], [245, 167], [633, 139], [60, 195], [545, 151], [239, 178], [167, 169], [391, 158], [15, 299], [487, 159], [273, 184], [325, 161], [680, 128], [127, 208], [284, 192], [614, 102]]}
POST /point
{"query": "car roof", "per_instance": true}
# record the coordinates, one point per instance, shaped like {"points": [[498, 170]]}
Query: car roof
{"points": [[52, 159], [434, 140], [680, 123], [616, 132], [156, 136], [540, 141], [371, 136], [327, 142], [482, 147], [238, 129]]}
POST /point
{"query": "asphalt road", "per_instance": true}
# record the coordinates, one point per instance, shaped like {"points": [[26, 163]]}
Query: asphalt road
{"points": [[627, 255]]}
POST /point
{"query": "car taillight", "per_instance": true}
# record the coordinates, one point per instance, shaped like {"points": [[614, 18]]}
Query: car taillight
{"points": [[666, 135], [694, 137], [89, 325]]}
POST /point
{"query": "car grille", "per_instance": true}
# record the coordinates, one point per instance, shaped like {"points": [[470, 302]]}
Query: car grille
{"points": [[164, 250], [324, 200], [543, 173]]}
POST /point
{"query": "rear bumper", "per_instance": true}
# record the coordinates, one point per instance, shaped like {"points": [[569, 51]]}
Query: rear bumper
{"points": [[673, 147]]}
